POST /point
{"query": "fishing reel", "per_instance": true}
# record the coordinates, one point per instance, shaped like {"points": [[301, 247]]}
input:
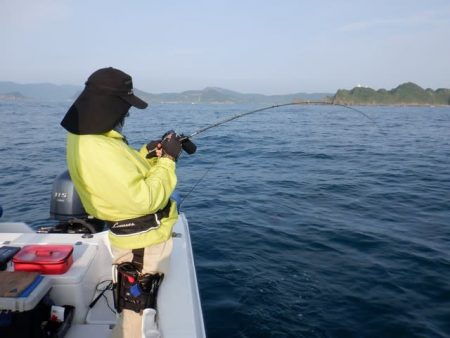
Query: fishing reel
{"points": [[186, 144]]}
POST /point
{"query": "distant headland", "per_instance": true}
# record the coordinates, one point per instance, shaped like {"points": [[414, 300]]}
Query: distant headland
{"points": [[405, 94]]}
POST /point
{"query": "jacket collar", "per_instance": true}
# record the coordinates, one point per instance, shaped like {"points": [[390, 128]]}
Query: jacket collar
{"points": [[114, 134]]}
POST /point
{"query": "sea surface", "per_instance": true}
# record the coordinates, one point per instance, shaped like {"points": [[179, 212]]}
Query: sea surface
{"points": [[306, 221]]}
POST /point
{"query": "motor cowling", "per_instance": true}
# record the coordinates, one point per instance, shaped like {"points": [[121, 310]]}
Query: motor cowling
{"points": [[65, 202]]}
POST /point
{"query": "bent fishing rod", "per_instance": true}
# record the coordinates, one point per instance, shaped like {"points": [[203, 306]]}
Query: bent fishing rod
{"points": [[184, 138], [190, 148]]}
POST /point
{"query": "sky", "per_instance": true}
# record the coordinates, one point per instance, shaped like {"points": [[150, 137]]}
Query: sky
{"points": [[251, 46]]}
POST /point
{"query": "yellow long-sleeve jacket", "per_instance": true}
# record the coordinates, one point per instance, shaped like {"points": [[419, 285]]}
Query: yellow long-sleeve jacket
{"points": [[115, 182]]}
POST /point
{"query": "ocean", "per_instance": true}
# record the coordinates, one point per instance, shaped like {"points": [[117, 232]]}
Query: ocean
{"points": [[306, 221]]}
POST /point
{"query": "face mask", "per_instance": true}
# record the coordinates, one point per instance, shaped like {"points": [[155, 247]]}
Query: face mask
{"points": [[119, 126]]}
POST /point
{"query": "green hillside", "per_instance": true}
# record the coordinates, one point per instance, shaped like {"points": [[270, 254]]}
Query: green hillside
{"points": [[406, 94]]}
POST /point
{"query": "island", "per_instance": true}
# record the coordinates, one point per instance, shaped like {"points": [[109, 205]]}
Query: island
{"points": [[405, 94]]}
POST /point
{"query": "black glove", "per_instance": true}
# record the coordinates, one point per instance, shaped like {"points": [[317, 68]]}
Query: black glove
{"points": [[152, 146], [187, 145], [171, 144], [167, 133]]}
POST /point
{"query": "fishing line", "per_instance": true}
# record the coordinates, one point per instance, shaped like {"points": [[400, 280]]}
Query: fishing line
{"points": [[195, 186]]}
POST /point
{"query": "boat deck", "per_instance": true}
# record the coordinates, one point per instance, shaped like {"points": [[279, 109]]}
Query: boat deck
{"points": [[179, 307]]}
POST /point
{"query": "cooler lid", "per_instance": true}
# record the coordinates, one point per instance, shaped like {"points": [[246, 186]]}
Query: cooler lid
{"points": [[43, 254]]}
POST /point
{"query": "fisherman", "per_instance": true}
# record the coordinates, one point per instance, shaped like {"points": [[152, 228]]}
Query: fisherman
{"points": [[130, 190]]}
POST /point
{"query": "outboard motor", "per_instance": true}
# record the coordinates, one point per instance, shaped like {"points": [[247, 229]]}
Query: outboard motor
{"points": [[66, 207], [65, 202]]}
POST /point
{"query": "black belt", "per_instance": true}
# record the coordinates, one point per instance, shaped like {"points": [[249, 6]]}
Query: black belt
{"points": [[140, 224]]}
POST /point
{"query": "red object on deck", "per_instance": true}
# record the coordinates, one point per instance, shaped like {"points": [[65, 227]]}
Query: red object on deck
{"points": [[47, 259]]}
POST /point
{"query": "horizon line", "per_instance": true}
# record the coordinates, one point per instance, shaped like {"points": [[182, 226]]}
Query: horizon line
{"points": [[228, 89]]}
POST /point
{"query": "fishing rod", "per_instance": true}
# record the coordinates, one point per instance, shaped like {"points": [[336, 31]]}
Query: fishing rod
{"points": [[190, 148], [185, 138]]}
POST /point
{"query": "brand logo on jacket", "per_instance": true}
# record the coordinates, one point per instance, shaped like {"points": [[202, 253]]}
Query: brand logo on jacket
{"points": [[125, 225]]}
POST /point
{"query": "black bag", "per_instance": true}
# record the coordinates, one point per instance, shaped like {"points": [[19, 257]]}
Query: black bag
{"points": [[134, 290]]}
